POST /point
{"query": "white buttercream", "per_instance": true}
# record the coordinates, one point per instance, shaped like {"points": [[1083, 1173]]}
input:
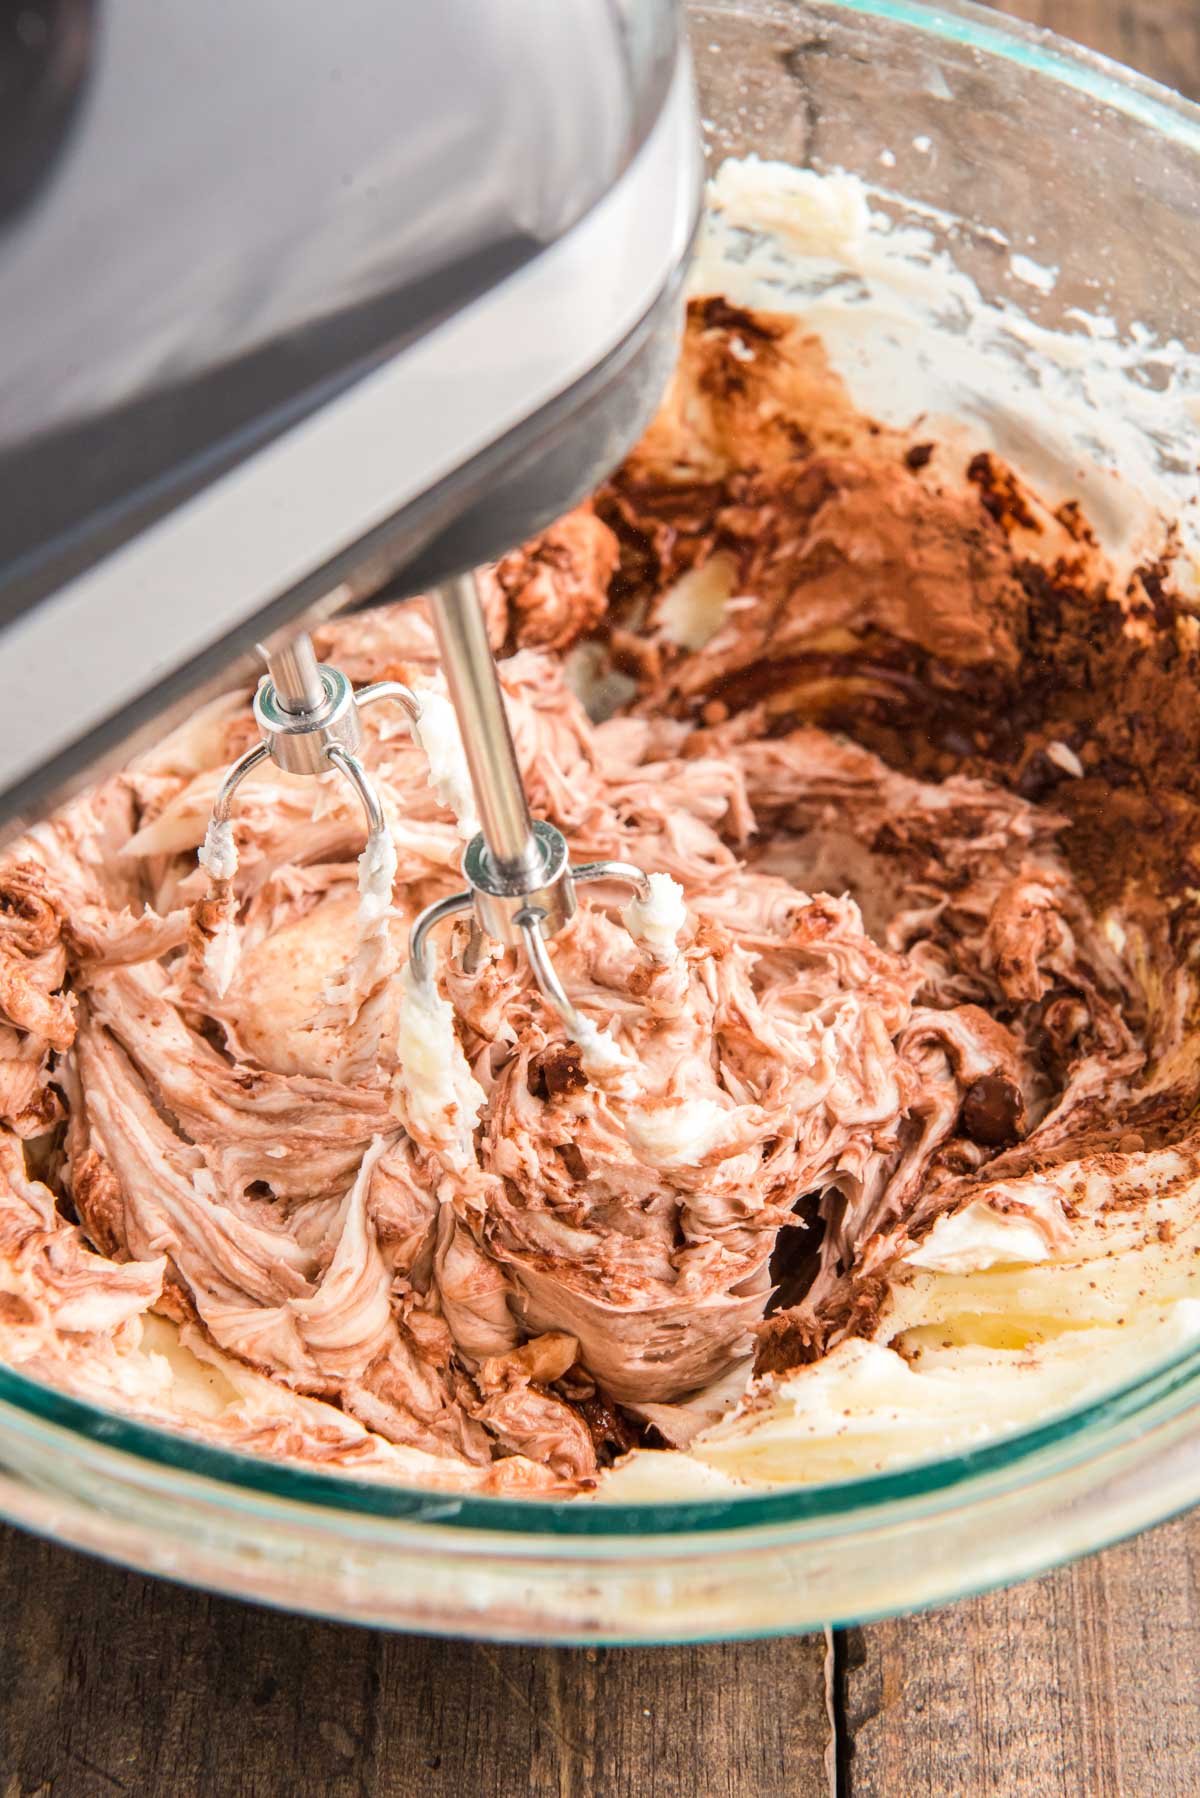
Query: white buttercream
{"points": [[978, 1237], [1064, 757], [439, 1098], [678, 1135], [864, 1406], [218, 854], [691, 612], [603, 1058], [438, 735], [222, 952], [1034, 274], [657, 920], [376, 876]]}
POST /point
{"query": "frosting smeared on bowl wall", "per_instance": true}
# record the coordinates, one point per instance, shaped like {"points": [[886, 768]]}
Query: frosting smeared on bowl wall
{"points": [[895, 1149]]}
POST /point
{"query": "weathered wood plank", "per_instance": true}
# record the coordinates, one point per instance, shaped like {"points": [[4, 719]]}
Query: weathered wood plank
{"points": [[1159, 37], [1085, 1684], [113, 1684]]}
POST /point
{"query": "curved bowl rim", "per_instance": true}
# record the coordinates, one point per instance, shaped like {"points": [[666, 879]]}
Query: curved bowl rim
{"points": [[175, 1461], [27, 1407]]}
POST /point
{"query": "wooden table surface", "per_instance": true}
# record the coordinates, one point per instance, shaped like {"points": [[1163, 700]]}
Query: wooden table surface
{"points": [[1084, 1684]]}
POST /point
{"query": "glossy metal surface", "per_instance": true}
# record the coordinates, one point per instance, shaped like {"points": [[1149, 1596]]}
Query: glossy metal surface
{"points": [[466, 439], [296, 675], [545, 889], [313, 738], [474, 686], [256, 203], [299, 739]]}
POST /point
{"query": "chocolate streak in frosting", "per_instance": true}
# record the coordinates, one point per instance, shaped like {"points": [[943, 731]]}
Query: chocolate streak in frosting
{"points": [[911, 977]]}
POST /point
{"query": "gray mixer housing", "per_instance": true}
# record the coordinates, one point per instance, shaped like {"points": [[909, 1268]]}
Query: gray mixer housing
{"points": [[303, 304]]}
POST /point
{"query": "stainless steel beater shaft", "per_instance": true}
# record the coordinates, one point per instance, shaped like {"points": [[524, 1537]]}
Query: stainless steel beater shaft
{"points": [[296, 674], [470, 671], [521, 883], [514, 866]]}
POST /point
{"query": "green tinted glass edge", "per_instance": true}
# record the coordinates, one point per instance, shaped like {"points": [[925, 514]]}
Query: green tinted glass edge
{"points": [[1108, 82], [1178, 1379]]}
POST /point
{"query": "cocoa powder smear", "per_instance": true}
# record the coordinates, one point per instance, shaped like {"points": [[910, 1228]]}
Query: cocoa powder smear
{"points": [[927, 777]]}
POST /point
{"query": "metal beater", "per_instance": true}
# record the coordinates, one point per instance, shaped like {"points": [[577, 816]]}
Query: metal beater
{"points": [[520, 881]]}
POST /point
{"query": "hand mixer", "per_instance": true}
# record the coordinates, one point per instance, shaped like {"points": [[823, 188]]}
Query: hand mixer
{"points": [[521, 884], [303, 308]]}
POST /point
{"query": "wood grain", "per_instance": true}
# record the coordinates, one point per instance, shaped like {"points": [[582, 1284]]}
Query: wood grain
{"points": [[1085, 1684], [1159, 37], [112, 1684]]}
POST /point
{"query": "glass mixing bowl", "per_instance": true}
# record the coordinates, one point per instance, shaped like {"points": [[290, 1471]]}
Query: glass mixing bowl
{"points": [[1003, 140]]}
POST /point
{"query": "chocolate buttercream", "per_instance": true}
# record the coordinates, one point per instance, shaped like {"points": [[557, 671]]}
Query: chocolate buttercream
{"points": [[926, 778]]}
